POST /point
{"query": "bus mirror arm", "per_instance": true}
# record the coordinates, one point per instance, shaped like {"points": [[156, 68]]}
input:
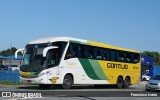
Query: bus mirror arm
{"points": [[47, 49], [19, 50]]}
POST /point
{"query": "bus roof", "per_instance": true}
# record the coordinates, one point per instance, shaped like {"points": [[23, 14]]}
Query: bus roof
{"points": [[80, 41]]}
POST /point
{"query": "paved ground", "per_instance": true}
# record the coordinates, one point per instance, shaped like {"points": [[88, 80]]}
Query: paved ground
{"points": [[81, 93]]}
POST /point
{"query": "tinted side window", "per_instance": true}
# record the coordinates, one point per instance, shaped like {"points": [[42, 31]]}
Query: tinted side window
{"points": [[91, 53], [72, 51], [136, 58], [106, 54], [69, 52], [128, 57], [121, 57], [98, 53], [75, 50], [103, 54], [84, 52], [52, 58], [112, 55]]}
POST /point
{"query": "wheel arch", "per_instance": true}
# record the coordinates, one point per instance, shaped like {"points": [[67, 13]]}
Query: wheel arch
{"points": [[128, 78], [120, 77], [70, 74]]}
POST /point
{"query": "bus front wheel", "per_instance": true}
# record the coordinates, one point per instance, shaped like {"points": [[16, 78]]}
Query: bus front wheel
{"points": [[67, 82], [119, 84]]}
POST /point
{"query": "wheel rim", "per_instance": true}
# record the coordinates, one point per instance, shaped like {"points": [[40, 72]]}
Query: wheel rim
{"points": [[127, 83], [120, 83], [67, 82]]}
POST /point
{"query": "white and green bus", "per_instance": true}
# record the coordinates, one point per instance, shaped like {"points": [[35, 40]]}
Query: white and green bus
{"points": [[69, 61]]}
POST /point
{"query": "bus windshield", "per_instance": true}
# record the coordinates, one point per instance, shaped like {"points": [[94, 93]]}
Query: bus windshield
{"points": [[33, 60]]}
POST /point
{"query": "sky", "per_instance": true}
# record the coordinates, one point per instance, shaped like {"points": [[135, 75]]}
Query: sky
{"points": [[133, 24]]}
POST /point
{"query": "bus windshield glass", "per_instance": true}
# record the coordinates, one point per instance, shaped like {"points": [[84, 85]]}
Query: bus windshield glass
{"points": [[33, 60]]}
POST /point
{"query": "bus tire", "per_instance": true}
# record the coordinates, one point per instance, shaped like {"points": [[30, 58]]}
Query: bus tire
{"points": [[144, 79], [67, 82], [44, 86], [127, 82], [119, 84]]}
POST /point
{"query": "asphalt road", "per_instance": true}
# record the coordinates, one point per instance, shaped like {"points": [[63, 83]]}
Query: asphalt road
{"points": [[134, 92]]}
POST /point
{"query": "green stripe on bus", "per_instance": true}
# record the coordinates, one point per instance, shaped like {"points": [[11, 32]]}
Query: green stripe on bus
{"points": [[88, 69], [95, 67], [98, 69]]}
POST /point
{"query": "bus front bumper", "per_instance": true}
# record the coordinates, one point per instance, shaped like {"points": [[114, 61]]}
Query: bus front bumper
{"points": [[38, 80]]}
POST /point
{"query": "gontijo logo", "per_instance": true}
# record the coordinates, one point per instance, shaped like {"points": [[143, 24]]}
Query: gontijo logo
{"points": [[117, 66]]}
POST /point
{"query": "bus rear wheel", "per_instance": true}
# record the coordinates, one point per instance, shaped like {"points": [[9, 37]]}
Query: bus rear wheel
{"points": [[127, 82], [67, 82], [119, 84]]}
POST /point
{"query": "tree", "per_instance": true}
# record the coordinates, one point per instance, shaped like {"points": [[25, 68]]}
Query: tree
{"points": [[8, 52], [154, 54]]}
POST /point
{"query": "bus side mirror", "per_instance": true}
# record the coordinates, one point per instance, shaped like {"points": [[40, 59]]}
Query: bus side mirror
{"points": [[19, 50], [47, 49]]}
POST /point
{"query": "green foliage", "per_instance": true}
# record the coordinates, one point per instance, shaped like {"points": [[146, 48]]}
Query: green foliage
{"points": [[155, 55], [9, 83], [8, 52]]}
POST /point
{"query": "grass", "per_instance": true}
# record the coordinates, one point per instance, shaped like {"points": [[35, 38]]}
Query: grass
{"points": [[9, 83]]}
